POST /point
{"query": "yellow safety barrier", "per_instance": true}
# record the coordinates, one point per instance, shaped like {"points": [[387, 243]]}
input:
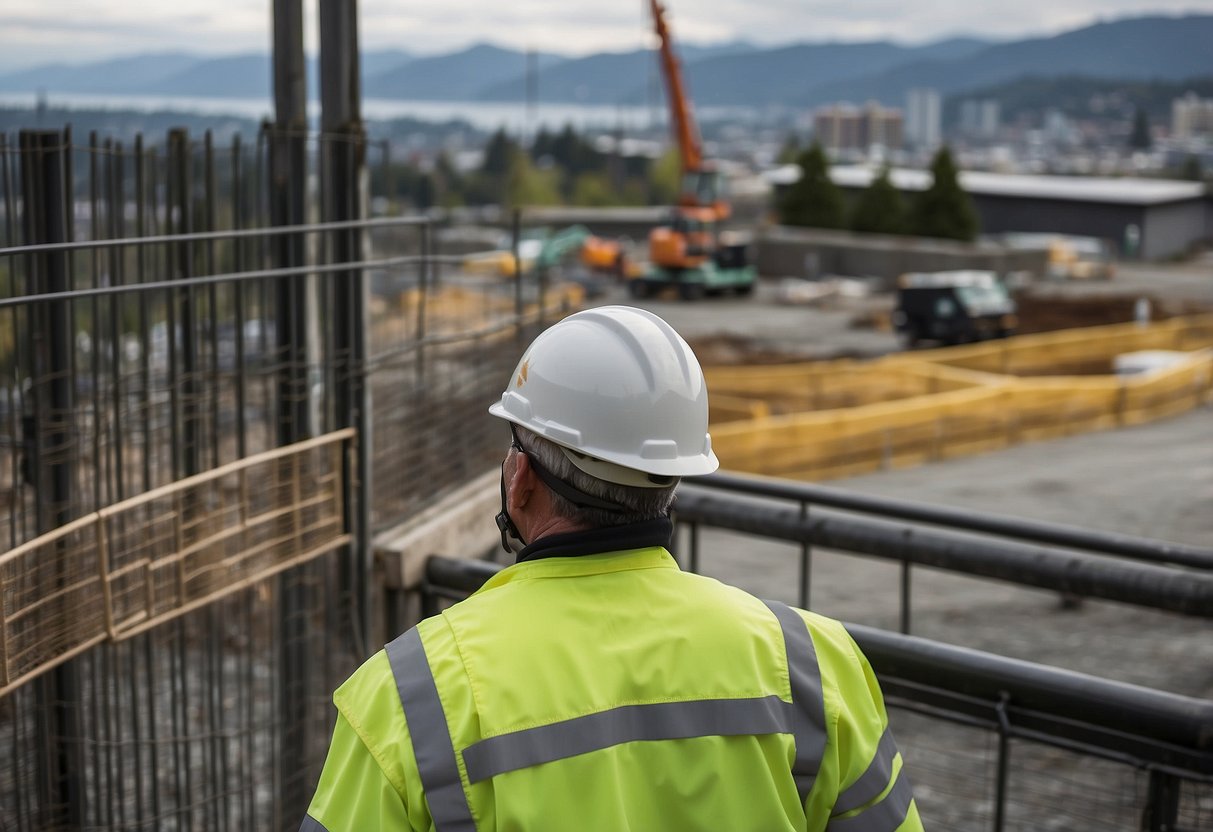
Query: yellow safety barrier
{"points": [[840, 418]]}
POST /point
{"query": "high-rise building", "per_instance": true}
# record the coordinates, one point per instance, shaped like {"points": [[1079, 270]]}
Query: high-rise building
{"points": [[980, 117], [923, 119], [1192, 117], [846, 127]]}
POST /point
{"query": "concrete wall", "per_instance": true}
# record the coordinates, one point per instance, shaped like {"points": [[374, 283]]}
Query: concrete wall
{"points": [[803, 252]]}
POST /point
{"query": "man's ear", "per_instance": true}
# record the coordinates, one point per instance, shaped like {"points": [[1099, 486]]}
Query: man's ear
{"points": [[522, 484]]}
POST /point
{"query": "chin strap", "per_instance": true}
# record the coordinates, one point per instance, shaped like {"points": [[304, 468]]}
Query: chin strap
{"points": [[505, 523], [571, 493]]}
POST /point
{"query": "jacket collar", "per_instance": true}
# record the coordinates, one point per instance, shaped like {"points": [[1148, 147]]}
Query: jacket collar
{"points": [[643, 535]]}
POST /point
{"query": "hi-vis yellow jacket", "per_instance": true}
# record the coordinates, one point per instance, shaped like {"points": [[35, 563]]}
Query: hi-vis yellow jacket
{"points": [[613, 692]]}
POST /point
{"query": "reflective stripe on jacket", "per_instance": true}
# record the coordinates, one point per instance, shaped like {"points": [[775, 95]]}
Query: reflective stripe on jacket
{"points": [[614, 692]]}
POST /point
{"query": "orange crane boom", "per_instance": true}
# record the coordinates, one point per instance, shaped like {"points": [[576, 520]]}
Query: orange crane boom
{"points": [[701, 183], [682, 121]]}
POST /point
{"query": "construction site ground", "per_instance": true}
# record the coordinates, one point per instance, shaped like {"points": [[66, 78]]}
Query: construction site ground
{"points": [[771, 326], [1154, 480]]}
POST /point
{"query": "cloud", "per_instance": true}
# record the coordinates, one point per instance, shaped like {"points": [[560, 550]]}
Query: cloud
{"points": [[80, 30]]}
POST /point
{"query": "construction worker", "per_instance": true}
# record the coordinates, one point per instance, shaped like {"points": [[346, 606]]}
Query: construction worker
{"points": [[592, 685]]}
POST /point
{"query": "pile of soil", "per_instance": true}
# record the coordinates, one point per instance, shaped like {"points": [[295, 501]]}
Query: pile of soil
{"points": [[1044, 312]]}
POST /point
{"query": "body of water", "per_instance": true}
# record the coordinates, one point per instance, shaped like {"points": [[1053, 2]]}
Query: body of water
{"points": [[484, 115]]}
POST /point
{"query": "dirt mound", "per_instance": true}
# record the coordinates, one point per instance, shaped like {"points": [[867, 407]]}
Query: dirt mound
{"points": [[1043, 312]]}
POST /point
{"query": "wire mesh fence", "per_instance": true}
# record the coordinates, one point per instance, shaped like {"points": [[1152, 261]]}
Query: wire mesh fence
{"points": [[167, 315]]}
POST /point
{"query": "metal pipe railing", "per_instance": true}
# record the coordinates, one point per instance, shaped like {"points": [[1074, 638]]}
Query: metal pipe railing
{"points": [[1057, 534], [1146, 585]]}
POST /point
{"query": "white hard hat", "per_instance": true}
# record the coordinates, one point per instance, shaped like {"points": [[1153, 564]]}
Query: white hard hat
{"points": [[620, 392]]}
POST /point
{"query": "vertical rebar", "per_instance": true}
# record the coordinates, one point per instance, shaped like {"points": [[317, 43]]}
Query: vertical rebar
{"points": [[46, 198], [238, 291], [117, 204], [288, 172], [94, 323], [209, 223], [181, 210], [145, 323]]}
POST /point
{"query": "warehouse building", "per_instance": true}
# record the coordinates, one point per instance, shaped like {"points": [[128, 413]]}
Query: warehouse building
{"points": [[1150, 219]]}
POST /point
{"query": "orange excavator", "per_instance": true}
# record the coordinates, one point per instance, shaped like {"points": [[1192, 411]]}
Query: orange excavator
{"points": [[690, 250]]}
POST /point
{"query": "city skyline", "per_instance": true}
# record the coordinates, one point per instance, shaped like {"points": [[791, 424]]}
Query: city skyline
{"points": [[62, 31]]}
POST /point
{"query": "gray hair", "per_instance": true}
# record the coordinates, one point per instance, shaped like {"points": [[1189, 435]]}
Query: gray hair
{"points": [[640, 503]]}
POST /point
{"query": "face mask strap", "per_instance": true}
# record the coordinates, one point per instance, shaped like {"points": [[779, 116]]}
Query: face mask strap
{"points": [[505, 523]]}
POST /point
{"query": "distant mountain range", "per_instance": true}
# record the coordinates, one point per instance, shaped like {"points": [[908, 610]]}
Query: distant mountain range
{"points": [[1153, 48]]}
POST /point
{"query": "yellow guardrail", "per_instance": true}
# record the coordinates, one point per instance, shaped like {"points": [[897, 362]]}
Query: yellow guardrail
{"points": [[818, 421]]}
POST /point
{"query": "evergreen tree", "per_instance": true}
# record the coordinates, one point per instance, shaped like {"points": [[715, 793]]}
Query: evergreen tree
{"points": [[542, 146], [499, 154], [880, 208], [1192, 170], [1139, 139], [790, 150], [944, 209], [813, 200]]}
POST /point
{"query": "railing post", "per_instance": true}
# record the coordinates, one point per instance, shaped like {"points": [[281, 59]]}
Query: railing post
{"points": [[46, 196], [1162, 803], [1004, 753], [806, 563], [905, 597]]}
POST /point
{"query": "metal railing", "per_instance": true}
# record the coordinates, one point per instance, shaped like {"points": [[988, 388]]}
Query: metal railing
{"points": [[1161, 737], [1109, 566]]}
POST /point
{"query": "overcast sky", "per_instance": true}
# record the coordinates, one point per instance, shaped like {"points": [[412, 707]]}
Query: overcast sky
{"points": [[76, 31]]}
